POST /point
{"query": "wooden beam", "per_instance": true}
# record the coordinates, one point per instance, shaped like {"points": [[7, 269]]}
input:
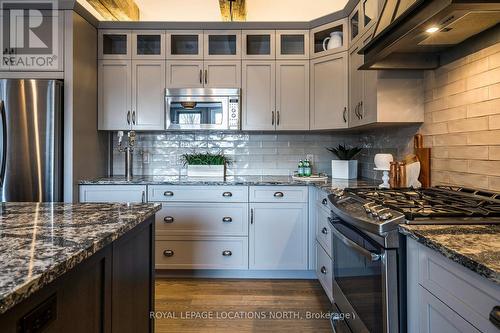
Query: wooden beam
{"points": [[116, 10], [239, 10]]}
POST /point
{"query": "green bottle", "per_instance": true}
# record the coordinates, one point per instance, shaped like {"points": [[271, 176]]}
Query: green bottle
{"points": [[307, 169], [300, 169]]}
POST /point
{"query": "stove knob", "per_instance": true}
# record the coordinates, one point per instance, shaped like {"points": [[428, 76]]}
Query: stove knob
{"points": [[367, 206], [374, 210], [385, 216]]}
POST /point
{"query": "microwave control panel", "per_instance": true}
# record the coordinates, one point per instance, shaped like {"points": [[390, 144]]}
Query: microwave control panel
{"points": [[234, 114]]}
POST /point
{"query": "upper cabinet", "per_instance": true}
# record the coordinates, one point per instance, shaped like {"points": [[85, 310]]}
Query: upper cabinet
{"points": [[258, 44], [148, 45], [184, 44], [222, 44], [292, 44], [362, 18], [329, 38], [115, 44]]}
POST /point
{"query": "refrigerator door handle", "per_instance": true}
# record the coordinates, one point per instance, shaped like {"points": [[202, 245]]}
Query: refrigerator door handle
{"points": [[4, 142]]}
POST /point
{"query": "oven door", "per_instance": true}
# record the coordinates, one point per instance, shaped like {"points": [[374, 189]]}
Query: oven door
{"points": [[197, 112], [361, 281]]}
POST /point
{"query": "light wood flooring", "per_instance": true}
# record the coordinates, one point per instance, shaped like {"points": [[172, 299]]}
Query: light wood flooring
{"points": [[243, 300]]}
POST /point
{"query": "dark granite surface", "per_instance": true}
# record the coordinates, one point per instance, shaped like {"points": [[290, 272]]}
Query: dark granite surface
{"points": [[476, 247], [40, 242], [327, 185]]}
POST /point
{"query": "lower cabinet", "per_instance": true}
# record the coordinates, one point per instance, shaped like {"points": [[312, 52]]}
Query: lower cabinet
{"points": [[324, 270], [278, 236], [113, 193]]}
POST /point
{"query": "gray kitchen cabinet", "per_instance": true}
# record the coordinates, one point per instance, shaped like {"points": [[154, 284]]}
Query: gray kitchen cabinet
{"points": [[148, 44], [184, 74], [258, 95], [292, 44], [184, 44], [292, 95], [222, 44], [382, 96], [329, 92], [131, 95], [319, 44], [114, 95], [275, 95], [362, 18], [114, 44], [112, 193], [258, 44], [148, 95], [278, 236], [222, 74]]}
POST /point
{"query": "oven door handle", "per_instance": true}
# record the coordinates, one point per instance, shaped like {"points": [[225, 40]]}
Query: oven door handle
{"points": [[349, 243]]}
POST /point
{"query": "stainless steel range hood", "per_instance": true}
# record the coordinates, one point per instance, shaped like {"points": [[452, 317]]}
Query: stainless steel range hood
{"points": [[404, 36]]}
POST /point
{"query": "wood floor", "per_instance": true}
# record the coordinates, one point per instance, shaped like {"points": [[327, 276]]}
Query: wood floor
{"points": [[235, 305]]}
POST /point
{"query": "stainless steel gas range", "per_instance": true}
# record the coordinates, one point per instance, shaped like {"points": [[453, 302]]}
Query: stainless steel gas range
{"points": [[369, 271]]}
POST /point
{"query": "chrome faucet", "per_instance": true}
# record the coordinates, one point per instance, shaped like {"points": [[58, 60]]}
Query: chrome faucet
{"points": [[128, 150]]}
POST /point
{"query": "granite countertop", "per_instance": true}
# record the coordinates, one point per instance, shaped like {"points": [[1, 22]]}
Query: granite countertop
{"points": [[40, 242], [476, 247], [327, 185]]}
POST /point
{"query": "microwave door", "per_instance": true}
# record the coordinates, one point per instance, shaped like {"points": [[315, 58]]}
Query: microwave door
{"points": [[197, 113]]}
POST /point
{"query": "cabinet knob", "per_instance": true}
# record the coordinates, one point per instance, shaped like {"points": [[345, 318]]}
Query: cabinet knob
{"points": [[168, 253], [227, 219], [323, 269], [324, 201], [227, 194], [227, 253], [324, 231], [168, 219], [278, 194], [168, 193]]}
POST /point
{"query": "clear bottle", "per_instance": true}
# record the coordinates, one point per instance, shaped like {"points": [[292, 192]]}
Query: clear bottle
{"points": [[307, 168], [300, 169]]}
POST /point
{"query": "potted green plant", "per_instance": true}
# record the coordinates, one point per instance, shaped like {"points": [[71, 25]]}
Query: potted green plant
{"points": [[205, 164], [345, 167]]}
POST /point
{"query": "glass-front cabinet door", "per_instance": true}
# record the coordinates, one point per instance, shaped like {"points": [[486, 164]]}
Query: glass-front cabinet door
{"points": [[222, 44], [258, 44], [292, 44], [148, 45], [329, 38], [114, 44], [354, 24], [184, 44], [370, 9]]}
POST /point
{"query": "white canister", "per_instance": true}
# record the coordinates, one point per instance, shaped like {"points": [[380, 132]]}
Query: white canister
{"points": [[383, 161]]}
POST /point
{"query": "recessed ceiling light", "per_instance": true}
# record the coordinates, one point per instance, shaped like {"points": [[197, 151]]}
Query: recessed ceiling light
{"points": [[432, 30]]}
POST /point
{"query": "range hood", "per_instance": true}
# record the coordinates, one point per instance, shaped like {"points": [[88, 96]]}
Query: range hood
{"points": [[411, 34]]}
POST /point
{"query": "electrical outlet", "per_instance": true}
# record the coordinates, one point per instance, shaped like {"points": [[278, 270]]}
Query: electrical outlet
{"points": [[145, 157]]}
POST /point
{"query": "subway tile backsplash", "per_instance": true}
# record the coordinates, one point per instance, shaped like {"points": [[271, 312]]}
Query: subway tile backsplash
{"points": [[256, 153]]}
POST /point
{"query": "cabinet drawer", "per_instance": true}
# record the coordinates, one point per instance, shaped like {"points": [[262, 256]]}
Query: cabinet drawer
{"points": [[202, 253], [278, 194], [324, 270], [323, 232], [467, 293], [194, 193], [203, 219], [112, 193], [321, 199]]}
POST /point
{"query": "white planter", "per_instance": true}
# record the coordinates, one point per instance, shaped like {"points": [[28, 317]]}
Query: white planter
{"points": [[345, 169], [205, 171]]}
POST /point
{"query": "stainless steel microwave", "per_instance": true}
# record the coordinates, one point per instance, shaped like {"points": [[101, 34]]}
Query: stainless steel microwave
{"points": [[202, 109]]}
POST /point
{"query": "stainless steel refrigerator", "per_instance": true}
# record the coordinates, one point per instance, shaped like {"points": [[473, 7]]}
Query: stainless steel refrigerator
{"points": [[31, 140]]}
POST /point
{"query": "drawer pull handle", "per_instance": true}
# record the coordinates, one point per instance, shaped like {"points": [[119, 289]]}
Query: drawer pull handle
{"points": [[324, 201], [168, 193], [324, 231], [168, 219], [278, 194], [323, 269], [168, 253], [227, 253], [227, 194], [227, 219]]}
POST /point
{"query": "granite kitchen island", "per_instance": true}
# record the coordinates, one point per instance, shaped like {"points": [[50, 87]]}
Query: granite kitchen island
{"points": [[76, 267]]}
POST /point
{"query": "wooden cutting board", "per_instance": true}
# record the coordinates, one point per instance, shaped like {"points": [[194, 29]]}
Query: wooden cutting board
{"points": [[424, 156]]}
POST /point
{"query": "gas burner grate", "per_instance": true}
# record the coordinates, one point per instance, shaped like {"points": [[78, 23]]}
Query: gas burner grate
{"points": [[436, 202]]}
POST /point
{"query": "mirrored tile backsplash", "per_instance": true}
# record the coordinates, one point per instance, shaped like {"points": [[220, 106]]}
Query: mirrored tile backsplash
{"points": [[255, 153]]}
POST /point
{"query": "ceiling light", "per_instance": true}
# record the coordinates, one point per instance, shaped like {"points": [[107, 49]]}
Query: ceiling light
{"points": [[432, 30]]}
